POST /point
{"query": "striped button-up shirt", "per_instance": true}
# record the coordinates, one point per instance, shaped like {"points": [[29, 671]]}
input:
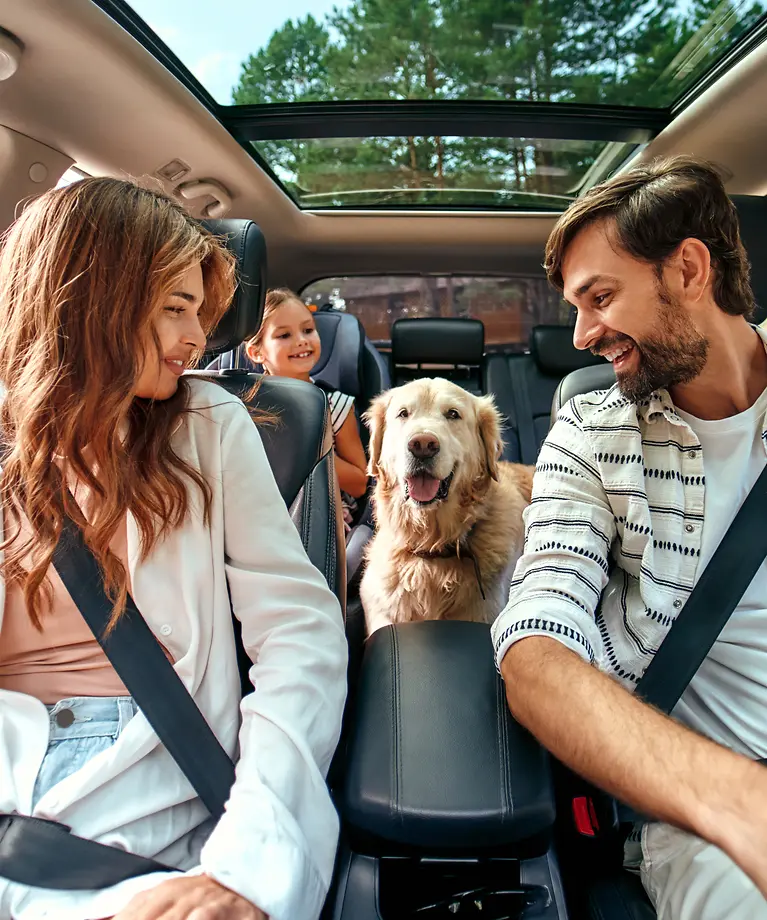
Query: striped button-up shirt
{"points": [[613, 533]]}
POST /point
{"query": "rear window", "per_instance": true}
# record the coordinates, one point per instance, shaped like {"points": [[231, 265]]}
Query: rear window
{"points": [[508, 306]]}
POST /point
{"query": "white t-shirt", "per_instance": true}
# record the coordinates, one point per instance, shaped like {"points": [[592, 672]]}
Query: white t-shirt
{"points": [[727, 698]]}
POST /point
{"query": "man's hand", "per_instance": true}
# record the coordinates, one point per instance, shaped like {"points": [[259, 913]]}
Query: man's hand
{"points": [[197, 897]]}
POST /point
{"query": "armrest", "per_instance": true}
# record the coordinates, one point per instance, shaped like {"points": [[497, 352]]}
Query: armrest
{"points": [[436, 760]]}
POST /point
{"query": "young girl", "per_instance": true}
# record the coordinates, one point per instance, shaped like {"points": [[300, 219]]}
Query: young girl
{"points": [[287, 345], [107, 292]]}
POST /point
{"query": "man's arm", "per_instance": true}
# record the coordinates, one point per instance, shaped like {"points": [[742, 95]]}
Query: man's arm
{"points": [[644, 758], [545, 639]]}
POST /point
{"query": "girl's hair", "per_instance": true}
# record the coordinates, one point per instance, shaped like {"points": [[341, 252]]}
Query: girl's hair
{"points": [[82, 273], [275, 297]]}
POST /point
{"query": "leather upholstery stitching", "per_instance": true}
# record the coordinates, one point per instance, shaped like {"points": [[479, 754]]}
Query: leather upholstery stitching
{"points": [[503, 754], [395, 801], [330, 543], [499, 742], [241, 234], [298, 513], [307, 512]]}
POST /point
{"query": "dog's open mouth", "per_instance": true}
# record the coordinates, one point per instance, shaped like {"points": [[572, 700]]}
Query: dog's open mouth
{"points": [[424, 489]]}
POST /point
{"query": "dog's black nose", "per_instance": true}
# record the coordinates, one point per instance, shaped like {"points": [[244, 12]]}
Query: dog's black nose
{"points": [[423, 446]]}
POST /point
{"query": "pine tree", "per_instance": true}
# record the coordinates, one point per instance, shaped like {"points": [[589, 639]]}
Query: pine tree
{"points": [[617, 52]]}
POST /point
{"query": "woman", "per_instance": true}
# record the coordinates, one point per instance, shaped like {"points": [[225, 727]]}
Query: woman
{"points": [[107, 291]]}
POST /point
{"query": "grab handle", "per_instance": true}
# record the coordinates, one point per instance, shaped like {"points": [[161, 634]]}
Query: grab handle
{"points": [[203, 187]]}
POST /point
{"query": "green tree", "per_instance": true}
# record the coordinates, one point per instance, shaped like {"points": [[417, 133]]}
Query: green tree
{"points": [[389, 50], [578, 51], [292, 67]]}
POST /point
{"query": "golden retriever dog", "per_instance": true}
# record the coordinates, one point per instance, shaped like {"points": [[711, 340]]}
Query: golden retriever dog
{"points": [[448, 511]]}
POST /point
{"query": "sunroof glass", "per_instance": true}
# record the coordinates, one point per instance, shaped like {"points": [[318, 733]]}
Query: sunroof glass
{"points": [[604, 51], [455, 172]]}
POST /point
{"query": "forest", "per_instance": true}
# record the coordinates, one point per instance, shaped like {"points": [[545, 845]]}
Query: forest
{"points": [[616, 52]]}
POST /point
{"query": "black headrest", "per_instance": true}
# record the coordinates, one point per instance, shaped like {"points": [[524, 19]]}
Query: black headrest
{"points": [[584, 380], [752, 215], [435, 340], [341, 338], [241, 321], [553, 351]]}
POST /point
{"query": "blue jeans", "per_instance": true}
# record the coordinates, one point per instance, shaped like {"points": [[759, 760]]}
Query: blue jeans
{"points": [[80, 728]]}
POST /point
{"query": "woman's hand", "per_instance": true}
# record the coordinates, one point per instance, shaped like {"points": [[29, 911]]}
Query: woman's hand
{"points": [[196, 897]]}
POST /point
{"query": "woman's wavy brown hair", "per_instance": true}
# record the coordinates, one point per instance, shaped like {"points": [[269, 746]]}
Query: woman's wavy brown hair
{"points": [[83, 273]]}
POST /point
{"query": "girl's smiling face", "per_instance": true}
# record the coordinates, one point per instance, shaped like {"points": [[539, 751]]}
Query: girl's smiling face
{"points": [[288, 344]]}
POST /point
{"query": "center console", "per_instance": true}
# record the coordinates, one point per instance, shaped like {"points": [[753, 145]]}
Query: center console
{"points": [[447, 804]]}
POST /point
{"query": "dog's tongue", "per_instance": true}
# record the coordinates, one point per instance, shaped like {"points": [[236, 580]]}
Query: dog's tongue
{"points": [[423, 488]]}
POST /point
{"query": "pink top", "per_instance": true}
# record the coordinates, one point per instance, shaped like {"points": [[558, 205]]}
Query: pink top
{"points": [[64, 660]]}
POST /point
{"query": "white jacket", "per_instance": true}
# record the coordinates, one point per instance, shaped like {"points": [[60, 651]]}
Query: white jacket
{"points": [[277, 840]]}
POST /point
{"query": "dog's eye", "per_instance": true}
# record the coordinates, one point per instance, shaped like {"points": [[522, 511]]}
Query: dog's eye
{"points": [[403, 413], [452, 414]]}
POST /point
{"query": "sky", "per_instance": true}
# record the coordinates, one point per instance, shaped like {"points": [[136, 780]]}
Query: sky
{"points": [[213, 38]]}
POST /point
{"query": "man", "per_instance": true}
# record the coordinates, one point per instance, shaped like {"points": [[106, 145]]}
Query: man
{"points": [[634, 489]]}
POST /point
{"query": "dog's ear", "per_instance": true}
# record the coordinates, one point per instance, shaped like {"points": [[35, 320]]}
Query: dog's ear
{"points": [[375, 419], [489, 423]]}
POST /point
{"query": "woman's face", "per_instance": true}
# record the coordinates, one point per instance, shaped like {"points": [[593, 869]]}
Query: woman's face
{"points": [[178, 329], [290, 346]]}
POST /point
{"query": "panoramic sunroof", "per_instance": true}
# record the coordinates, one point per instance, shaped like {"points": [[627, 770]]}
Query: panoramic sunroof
{"points": [[603, 51], [485, 172], [569, 89]]}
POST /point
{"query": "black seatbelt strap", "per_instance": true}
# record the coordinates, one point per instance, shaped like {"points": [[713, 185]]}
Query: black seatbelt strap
{"points": [[528, 442], [43, 853], [711, 603], [141, 664]]}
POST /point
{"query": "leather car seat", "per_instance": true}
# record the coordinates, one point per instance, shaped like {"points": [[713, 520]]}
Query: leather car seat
{"points": [[300, 447]]}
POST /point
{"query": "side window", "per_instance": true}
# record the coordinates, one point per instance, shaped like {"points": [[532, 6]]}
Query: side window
{"points": [[508, 306], [73, 174]]}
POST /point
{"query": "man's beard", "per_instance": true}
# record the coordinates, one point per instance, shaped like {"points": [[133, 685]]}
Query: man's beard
{"points": [[675, 352]]}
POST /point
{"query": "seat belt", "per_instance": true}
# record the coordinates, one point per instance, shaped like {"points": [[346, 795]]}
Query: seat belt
{"points": [[528, 442], [42, 853], [711, 603]]}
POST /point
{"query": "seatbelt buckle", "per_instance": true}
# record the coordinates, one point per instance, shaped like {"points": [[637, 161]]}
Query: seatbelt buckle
{"points": [[585, 816], [595, 815]]}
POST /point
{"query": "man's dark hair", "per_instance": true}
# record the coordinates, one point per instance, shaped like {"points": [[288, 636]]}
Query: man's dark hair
{"points": [[653, 208]]}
